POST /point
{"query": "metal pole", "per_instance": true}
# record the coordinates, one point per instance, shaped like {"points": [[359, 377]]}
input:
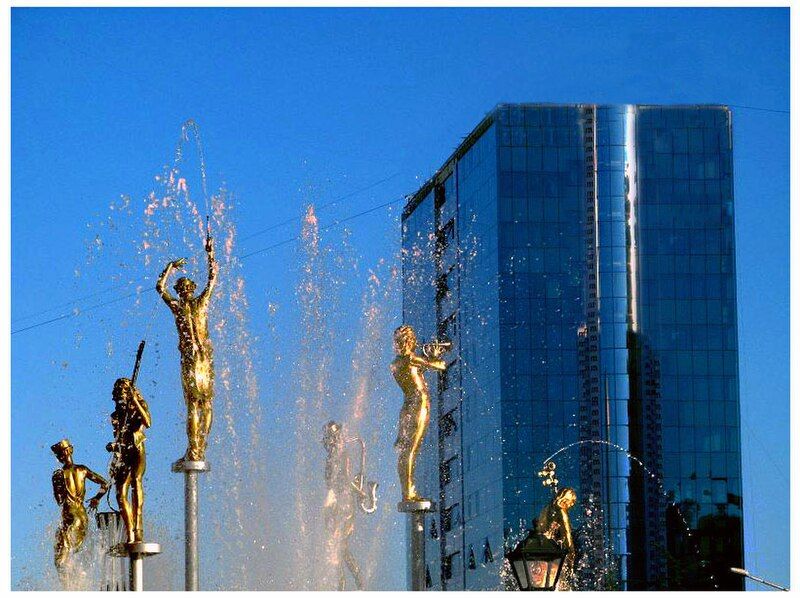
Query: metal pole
{"points": [[417, 551], [190, 470], [136, 553], [136, 573], [192, 581], [417, 509]]}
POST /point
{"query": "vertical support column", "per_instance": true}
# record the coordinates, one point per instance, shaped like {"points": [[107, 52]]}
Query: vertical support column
{"points": [[192, 556], [416, 510], [417, 542], [136, 553], [190, 470], [136, 573]]}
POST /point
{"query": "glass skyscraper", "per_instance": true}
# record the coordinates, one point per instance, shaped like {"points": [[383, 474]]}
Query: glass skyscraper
{"points": [[581, 259]]}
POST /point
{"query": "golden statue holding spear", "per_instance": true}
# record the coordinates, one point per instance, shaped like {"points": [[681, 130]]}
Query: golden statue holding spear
{"points": [[130, 418], [194, 344]]}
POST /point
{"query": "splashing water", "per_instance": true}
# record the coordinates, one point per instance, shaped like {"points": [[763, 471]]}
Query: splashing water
{"points": [[260, 520], [593, 515]]}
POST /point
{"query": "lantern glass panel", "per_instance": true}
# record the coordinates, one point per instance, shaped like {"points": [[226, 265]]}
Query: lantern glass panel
{"points": [[519, 569], [555, 564], [538, 573]]}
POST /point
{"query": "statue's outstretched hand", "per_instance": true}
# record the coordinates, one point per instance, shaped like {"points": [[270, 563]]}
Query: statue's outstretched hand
{"points": [[93, 503], [179, 263]]}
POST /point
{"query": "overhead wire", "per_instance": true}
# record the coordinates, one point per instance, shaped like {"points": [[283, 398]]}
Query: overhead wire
{"points": [[124, 285], [320, 208], [77, 312], [758, 108], [190, 124], [324, 228]]}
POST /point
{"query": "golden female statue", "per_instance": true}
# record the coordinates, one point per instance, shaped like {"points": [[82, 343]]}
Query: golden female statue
{"points": [[554, 523], [194, 344], [129, 419], [69, 490], [408, 370]]}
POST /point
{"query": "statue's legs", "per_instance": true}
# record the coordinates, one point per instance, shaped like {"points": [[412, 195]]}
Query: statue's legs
{"points": [[414, 420], [352, 564], [206, 420], [193, 431], [78, 528], [198, 392], [137, 494], [125, 509], [61, 548], [61, 556], [403, 444], [193, 406], [341, 584]]}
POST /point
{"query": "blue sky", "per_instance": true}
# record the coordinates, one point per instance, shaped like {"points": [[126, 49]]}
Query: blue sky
{"points": [[309, 105]]}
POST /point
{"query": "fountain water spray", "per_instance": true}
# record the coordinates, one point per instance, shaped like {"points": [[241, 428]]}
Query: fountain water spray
{"points": [[653, 476]]}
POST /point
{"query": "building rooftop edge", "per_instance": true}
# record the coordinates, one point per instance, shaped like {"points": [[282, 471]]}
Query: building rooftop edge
{"points": [[414, 199]]}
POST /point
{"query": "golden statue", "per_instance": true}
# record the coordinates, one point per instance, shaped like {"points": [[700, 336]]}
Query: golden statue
{"points": [[408, 370], [194, 344], [69, 490], [554, 523], [129, 419], [339, 509]]}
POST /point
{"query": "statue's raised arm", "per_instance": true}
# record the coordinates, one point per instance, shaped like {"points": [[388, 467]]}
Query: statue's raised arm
{"points": [[213, 268], [161, 285]]}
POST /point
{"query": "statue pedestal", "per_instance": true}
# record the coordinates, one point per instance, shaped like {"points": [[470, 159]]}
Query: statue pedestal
{"points": [[136, 552], [190, 469], [416, 510]]}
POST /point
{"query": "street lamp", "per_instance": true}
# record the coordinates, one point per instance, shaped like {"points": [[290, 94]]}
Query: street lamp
{"points": [[746, 573], [536, 562]]}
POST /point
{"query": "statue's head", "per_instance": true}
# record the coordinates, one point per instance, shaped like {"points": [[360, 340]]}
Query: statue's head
{"points": [[123, 391], [185, 287], [331, 435], [405, 340], [566, 498], [62, 450]]}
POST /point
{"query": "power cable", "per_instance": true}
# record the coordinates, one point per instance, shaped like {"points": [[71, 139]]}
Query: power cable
{"points": [[320, 208], [73, 314], [76, 300], [184, 134], [757, 108], [324, 228], [243, 257]]}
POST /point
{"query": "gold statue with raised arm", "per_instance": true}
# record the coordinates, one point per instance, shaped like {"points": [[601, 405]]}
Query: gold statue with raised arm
{"points": [[194, 344], [69, 490], [130, 418], [554, 523], [408, 370]]}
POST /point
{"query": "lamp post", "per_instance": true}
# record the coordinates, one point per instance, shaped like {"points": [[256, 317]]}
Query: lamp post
{"points": [[746, 573], [537, 562]]}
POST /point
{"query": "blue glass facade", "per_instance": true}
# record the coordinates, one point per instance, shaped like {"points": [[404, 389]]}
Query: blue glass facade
{"points": [[580, 257]]}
